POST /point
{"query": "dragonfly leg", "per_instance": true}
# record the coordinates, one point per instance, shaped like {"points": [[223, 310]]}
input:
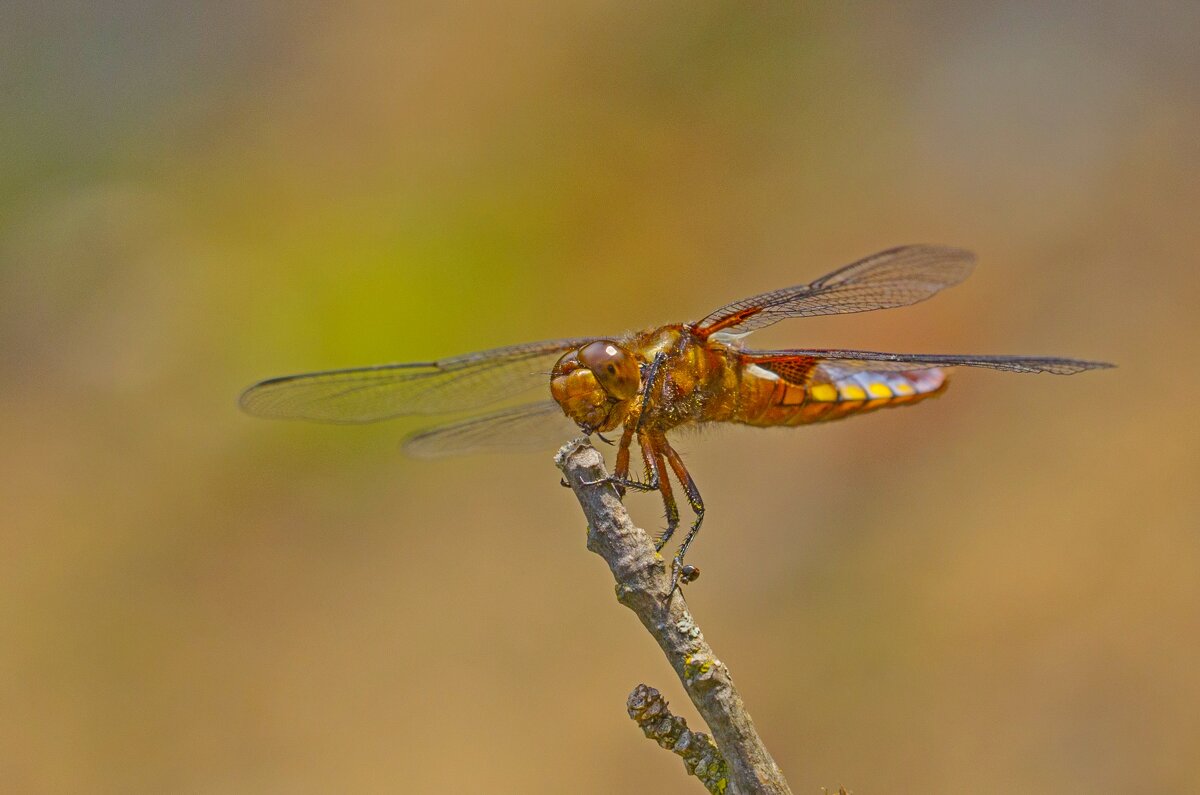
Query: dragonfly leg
{"points": [[620, 478], [668, 498], [648, 388], [681, 573], [621, 471]]}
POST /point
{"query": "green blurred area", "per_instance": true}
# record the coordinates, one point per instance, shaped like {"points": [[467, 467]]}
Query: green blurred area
{"points": [[997, 591]]}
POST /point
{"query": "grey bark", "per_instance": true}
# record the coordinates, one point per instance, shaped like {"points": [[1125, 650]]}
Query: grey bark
{"points": [[643, 585]]}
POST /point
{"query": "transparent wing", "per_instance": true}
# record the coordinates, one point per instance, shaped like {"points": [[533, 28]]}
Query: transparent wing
{"points": [[896, 277], [871, 360], [530, 427], [368, 394]]}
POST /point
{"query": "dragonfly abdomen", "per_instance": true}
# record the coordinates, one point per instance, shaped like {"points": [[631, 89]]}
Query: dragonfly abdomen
{"points": [[825, 392]]}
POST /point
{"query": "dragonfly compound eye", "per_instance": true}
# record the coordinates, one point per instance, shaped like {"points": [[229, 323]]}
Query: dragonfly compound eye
{"points": [[576, 390], [614, 367]]}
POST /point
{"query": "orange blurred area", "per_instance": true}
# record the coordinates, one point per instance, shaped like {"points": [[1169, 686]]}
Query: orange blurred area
{"points": [[996, 591]]}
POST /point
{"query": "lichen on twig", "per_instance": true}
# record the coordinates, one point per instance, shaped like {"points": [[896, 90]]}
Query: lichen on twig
{"points": [[701, 757]]}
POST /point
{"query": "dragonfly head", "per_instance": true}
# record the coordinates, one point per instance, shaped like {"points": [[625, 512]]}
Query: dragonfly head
{"points": [[593, 384]]}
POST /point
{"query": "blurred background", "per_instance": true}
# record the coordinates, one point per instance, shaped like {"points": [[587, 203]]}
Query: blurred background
{"points": [[994, 592]]}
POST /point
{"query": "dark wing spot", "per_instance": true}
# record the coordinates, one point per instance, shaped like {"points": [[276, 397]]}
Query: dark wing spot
{"points": [[793, 369]]}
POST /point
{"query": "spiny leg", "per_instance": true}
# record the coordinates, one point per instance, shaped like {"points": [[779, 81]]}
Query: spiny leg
{"points": [[623, 481], [679, 572], [648, 388], [621, 470], [668, 497]]}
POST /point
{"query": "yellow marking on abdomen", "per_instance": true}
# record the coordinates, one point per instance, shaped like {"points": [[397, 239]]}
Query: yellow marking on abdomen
{"points": [[879, 390], [823, 393], [853, 392]]}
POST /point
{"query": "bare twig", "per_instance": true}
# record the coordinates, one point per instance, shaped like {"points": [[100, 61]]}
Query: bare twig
{"points": [[643, 586]]}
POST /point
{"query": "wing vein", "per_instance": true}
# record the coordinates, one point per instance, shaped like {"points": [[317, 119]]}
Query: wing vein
{"points": [[896, 277]]}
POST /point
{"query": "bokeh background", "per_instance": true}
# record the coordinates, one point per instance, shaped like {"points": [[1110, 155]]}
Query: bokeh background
{"points": [[994, 592]]}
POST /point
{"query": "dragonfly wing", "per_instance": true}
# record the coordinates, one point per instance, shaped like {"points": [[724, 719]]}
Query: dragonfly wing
{"points": [[893, 362], [530, 427], [896, 277], [368, 394]]}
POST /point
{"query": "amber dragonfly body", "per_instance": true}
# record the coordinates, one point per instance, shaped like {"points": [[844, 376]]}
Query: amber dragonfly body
{"points": [[648, 383]]}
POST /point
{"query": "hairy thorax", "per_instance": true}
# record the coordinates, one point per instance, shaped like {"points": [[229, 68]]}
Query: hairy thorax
{"points": [[696, 383]]}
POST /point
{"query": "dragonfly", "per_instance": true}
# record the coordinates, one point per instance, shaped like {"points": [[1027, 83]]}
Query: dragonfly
{"points": [[645, 384]]}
